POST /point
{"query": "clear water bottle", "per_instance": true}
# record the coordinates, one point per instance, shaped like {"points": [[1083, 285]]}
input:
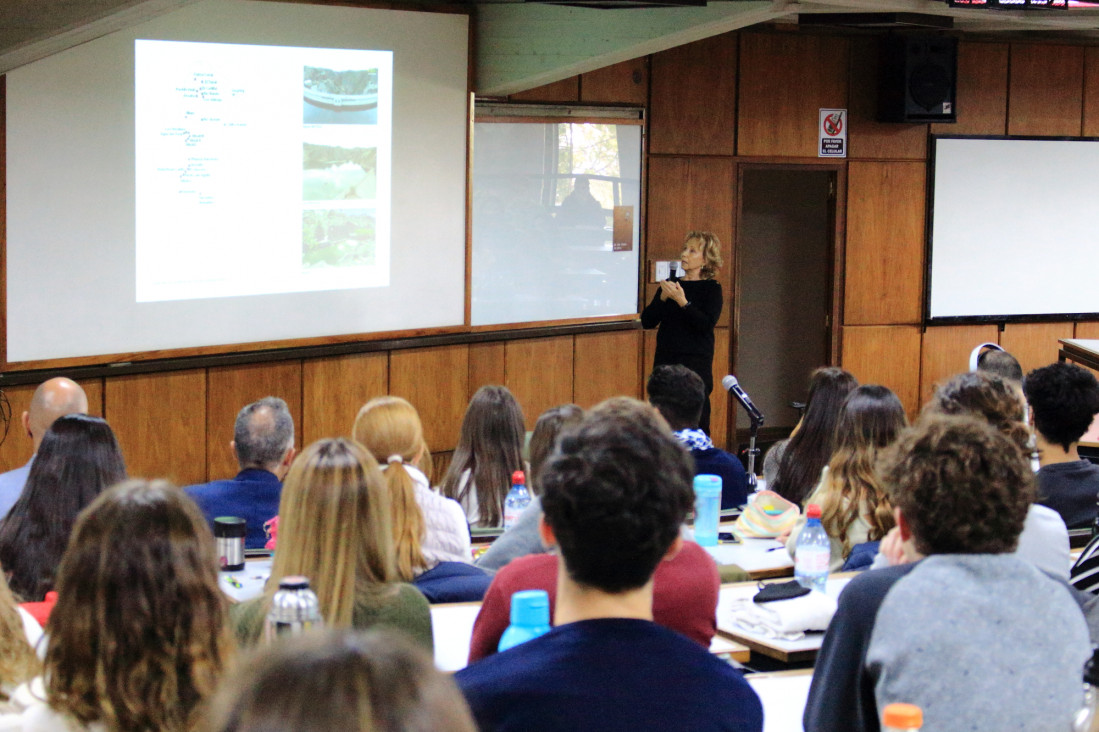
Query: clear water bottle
{"points": [[517, 500], [813, 553], [529, 618], [899, 717], [1087, 719], [294, 609]]}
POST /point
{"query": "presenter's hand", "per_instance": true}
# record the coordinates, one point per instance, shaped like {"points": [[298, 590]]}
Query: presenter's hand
{"points": [[673, 291]]}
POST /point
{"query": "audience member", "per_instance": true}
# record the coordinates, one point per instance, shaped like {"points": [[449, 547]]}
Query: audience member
{"points": [[263, 443], [523, 538], [77, 459], [489, 450], [678, 394], [615, 494], [334, 529], [1000, 363], [854, 506], [953, 632], [138, 639], [19, 634], [52, 399], [1064, 399], [339, 680], [427, 528], [792, 467]]}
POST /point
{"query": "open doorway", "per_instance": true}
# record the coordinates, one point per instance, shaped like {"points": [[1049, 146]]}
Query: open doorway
{"points": [[784, 288]]}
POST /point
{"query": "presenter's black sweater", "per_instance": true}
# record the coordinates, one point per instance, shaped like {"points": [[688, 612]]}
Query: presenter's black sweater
{"points": [[686, 334]]}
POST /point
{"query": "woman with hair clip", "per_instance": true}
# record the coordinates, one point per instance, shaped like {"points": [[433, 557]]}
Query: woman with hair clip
{"points": [[687, 309], [138, 638], [427, 527], [334, 529], [490, 449], [792, 467], [370, 682], [78, 458], [854, 506]]}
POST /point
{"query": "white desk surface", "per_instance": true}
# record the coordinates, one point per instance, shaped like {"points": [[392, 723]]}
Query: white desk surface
{"points": [[251, 579], [783, 694], [452, 628], [759, 557], [782, 650]]}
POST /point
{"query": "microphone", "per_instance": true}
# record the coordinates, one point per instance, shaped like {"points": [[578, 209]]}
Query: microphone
{"points": [[733, 386]]}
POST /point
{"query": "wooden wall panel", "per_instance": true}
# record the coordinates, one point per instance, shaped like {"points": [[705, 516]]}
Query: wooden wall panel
{"points": [[230, 388], [1034, 344], [487, 364], [692, 107], [160, 422], [606, 365], [564, 92], [334, 388], [627, 83], [785, 79], [982, 91], [1086, 330], [691, 194], [436, 381], [886, 355], [946, 352], [885, 243], [867, 137], [1045, 90], [719, 399], [1090, 126], [539, 374]]}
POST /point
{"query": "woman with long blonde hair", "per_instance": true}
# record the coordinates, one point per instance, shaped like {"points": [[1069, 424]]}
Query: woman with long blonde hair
{"points": [[18, 630], [334, 528], [427, 527], [138, 638], [854, 505]]}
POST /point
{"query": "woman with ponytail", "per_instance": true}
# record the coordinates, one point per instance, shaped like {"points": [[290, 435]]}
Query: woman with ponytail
{"points": [[427, 528]]}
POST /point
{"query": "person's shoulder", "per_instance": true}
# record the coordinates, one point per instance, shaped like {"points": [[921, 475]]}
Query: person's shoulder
{"points": [[869, 588], [529, 568], [690, 554]]}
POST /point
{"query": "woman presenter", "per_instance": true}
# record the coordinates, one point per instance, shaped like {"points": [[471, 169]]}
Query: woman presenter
{"points": [[686, 309]]}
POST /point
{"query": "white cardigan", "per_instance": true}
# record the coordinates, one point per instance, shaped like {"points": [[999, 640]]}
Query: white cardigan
{"points": [[446, 533]]}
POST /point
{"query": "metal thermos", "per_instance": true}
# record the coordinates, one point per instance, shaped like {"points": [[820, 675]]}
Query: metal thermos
{"points": [[294, 609], [229, 533]]}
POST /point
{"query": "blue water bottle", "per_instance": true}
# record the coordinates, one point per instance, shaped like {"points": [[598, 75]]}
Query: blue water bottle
{"points": [[813, 553], [517, 499], [707, 508], [529, 618]]}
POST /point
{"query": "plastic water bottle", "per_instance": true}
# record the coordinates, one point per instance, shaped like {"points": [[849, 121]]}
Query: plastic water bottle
{"points": [[517, 500], [899, 717], [529, 618], [813, 553]]}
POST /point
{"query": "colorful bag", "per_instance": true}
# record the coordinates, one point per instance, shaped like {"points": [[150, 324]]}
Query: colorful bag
{"points": [[766, 516]]}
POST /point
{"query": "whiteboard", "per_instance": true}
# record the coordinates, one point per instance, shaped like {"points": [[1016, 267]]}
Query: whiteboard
{"points": [[555, 219], [1014, 228]]}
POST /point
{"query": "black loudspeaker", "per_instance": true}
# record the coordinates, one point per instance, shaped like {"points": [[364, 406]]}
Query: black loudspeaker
{"points": [[918, 79]]}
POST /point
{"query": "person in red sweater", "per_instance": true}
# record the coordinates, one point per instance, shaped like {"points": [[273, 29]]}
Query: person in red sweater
{"points": [[685, 591]]}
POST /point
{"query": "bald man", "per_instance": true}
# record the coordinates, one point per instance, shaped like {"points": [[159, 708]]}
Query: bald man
{"points": [[52, 399]]}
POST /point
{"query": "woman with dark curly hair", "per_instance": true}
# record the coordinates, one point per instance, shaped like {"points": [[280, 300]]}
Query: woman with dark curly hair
{"points": [[138, 637], [78, 458]]}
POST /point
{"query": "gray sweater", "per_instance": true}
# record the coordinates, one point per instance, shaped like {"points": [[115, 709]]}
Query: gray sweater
{"points": [[978, 641]]}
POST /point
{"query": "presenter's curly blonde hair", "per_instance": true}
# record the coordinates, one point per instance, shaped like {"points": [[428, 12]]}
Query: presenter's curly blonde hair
{"points": [[139, 637], [710, 247]]}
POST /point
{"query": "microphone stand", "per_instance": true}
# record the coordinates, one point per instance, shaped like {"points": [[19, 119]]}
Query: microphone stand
{"points": [[753, 453]]}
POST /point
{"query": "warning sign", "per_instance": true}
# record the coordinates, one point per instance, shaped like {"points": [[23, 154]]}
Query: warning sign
{"points": [[833, 133]]}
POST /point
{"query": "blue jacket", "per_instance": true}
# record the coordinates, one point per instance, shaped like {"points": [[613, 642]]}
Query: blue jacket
{"points": [[253, 496]]}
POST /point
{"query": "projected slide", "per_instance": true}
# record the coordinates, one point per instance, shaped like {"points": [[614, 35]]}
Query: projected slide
{"points": [[260, 169]]}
